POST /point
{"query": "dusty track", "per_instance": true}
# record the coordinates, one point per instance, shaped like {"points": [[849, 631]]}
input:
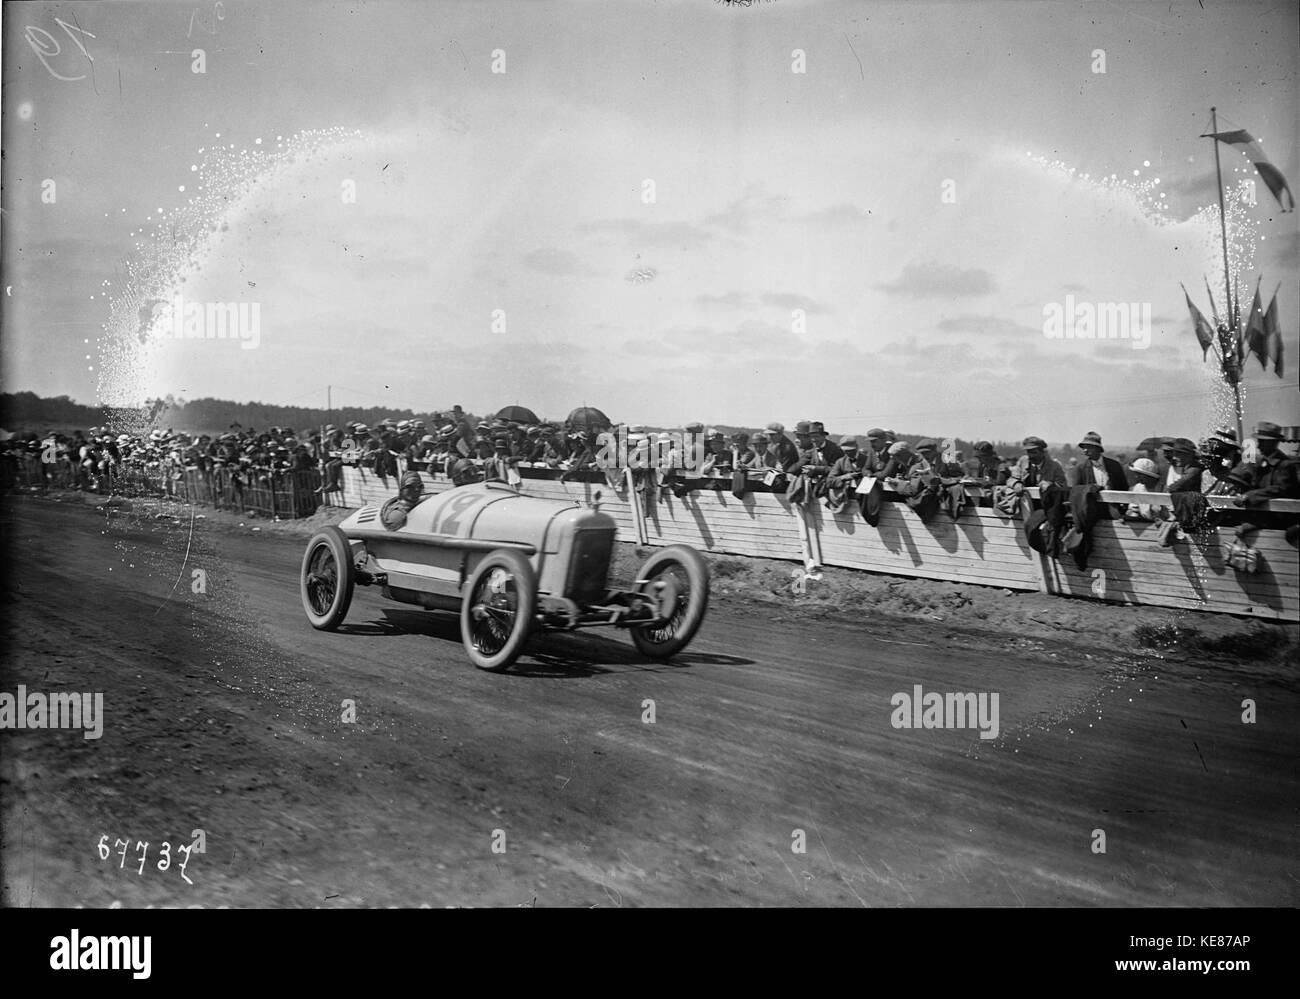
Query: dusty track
{"points": [[223, 712]]}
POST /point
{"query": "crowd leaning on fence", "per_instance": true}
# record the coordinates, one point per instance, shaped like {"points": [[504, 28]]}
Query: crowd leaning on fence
{"points": [[288, 471]]}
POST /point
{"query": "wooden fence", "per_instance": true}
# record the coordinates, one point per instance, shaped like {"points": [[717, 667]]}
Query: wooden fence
{"points": [[1127, 564]]}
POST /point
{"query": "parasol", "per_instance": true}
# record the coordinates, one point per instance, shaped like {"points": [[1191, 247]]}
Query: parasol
{"points": [[589, 419], [517, 414]]}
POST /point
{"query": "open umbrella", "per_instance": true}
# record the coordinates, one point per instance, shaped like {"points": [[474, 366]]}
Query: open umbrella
{"points": [[589, 419], [517, 414]]}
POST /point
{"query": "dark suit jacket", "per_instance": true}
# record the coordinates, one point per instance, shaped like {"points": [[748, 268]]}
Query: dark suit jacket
{"points": [[1114, 472]]}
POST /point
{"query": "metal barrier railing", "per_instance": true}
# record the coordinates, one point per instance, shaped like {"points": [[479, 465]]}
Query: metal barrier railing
{"points": [[276, 494]]}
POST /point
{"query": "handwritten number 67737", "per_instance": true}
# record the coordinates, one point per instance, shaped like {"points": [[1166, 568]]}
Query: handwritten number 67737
{"points": [[50, 46]]}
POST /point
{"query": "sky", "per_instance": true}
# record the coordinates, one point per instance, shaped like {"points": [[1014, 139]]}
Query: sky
{"points": [[860, 213]]}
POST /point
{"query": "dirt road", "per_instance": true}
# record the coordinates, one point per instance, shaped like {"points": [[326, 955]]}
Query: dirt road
{"points": [[550, 785]]}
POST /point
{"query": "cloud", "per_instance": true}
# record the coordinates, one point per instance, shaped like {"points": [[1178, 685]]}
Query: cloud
{"points": [[391, 267], [1286, 248], [781, 300], [985, 325], [731, 300], [1201, 188], [550, 260], [840, 214], [921, 280], [738, 216], [677, 235], [786, 300], [751, 340]]}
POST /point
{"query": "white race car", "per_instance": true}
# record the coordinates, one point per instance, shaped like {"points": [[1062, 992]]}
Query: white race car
{"points": [[507, 563]]}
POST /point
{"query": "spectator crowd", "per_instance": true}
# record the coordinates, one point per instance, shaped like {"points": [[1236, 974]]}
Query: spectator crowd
{"points": [[807, 464]]}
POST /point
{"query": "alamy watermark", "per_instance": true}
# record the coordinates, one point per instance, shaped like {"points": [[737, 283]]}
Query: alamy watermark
{"points": [[1098, 321], [70, 710], [950, 710], [663, 451], [95, 953], [182, 320]]}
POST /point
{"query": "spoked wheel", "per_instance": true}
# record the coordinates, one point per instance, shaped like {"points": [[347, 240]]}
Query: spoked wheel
{"points": [[496, 614], [328, 576], [677, 578]]}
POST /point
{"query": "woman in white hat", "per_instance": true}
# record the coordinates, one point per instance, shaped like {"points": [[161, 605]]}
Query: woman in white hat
{"points": [[1143, 474]]}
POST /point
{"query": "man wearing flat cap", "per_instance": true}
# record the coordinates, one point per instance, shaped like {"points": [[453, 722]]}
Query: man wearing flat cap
{"points": [[757, 454], [989, 467], [945, 477], [742, 454], [913, 479], [784, 454], [844, 475], [876, 453], [899, 459], [410, 492], [1035, 467]]}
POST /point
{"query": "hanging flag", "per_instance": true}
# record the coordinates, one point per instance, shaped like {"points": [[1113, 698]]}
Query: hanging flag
{"points": [[1273, 337], [1244, 142], [1204, 331], [1255, 334], [1214, 309]]}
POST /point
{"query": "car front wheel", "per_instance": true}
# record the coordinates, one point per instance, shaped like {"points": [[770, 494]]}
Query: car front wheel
{"points": [[328, 576], [496, 614]]}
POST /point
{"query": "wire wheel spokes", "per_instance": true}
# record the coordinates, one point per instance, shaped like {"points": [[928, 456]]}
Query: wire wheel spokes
{"points": [[672, 578], [495, 606], [322, 579]]}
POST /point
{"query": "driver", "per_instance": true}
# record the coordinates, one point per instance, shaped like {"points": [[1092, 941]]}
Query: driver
{"points": [[410, 491], [462, 471]]}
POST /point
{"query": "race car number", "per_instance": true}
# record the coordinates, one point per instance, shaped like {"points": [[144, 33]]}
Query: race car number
{"points": [[447, 519]]}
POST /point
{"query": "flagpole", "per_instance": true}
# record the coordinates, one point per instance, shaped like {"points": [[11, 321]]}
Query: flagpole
{"points": [[1233, 318]]}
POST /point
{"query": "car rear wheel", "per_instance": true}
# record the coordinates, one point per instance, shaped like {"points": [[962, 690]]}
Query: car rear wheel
{"points": [[677, 578], [328, 576], [496, 615]]}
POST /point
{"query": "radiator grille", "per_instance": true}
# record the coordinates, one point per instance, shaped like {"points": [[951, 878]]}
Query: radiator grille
{"points": [[589, 565]]}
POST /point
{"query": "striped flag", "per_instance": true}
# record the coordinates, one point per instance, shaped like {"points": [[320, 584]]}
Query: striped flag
{"points": [[1255, 333], [1243, 141], [1273, 337], [1204, 331]]}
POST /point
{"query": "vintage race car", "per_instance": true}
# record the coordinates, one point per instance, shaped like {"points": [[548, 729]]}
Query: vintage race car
{"points": [[507, 563]]}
